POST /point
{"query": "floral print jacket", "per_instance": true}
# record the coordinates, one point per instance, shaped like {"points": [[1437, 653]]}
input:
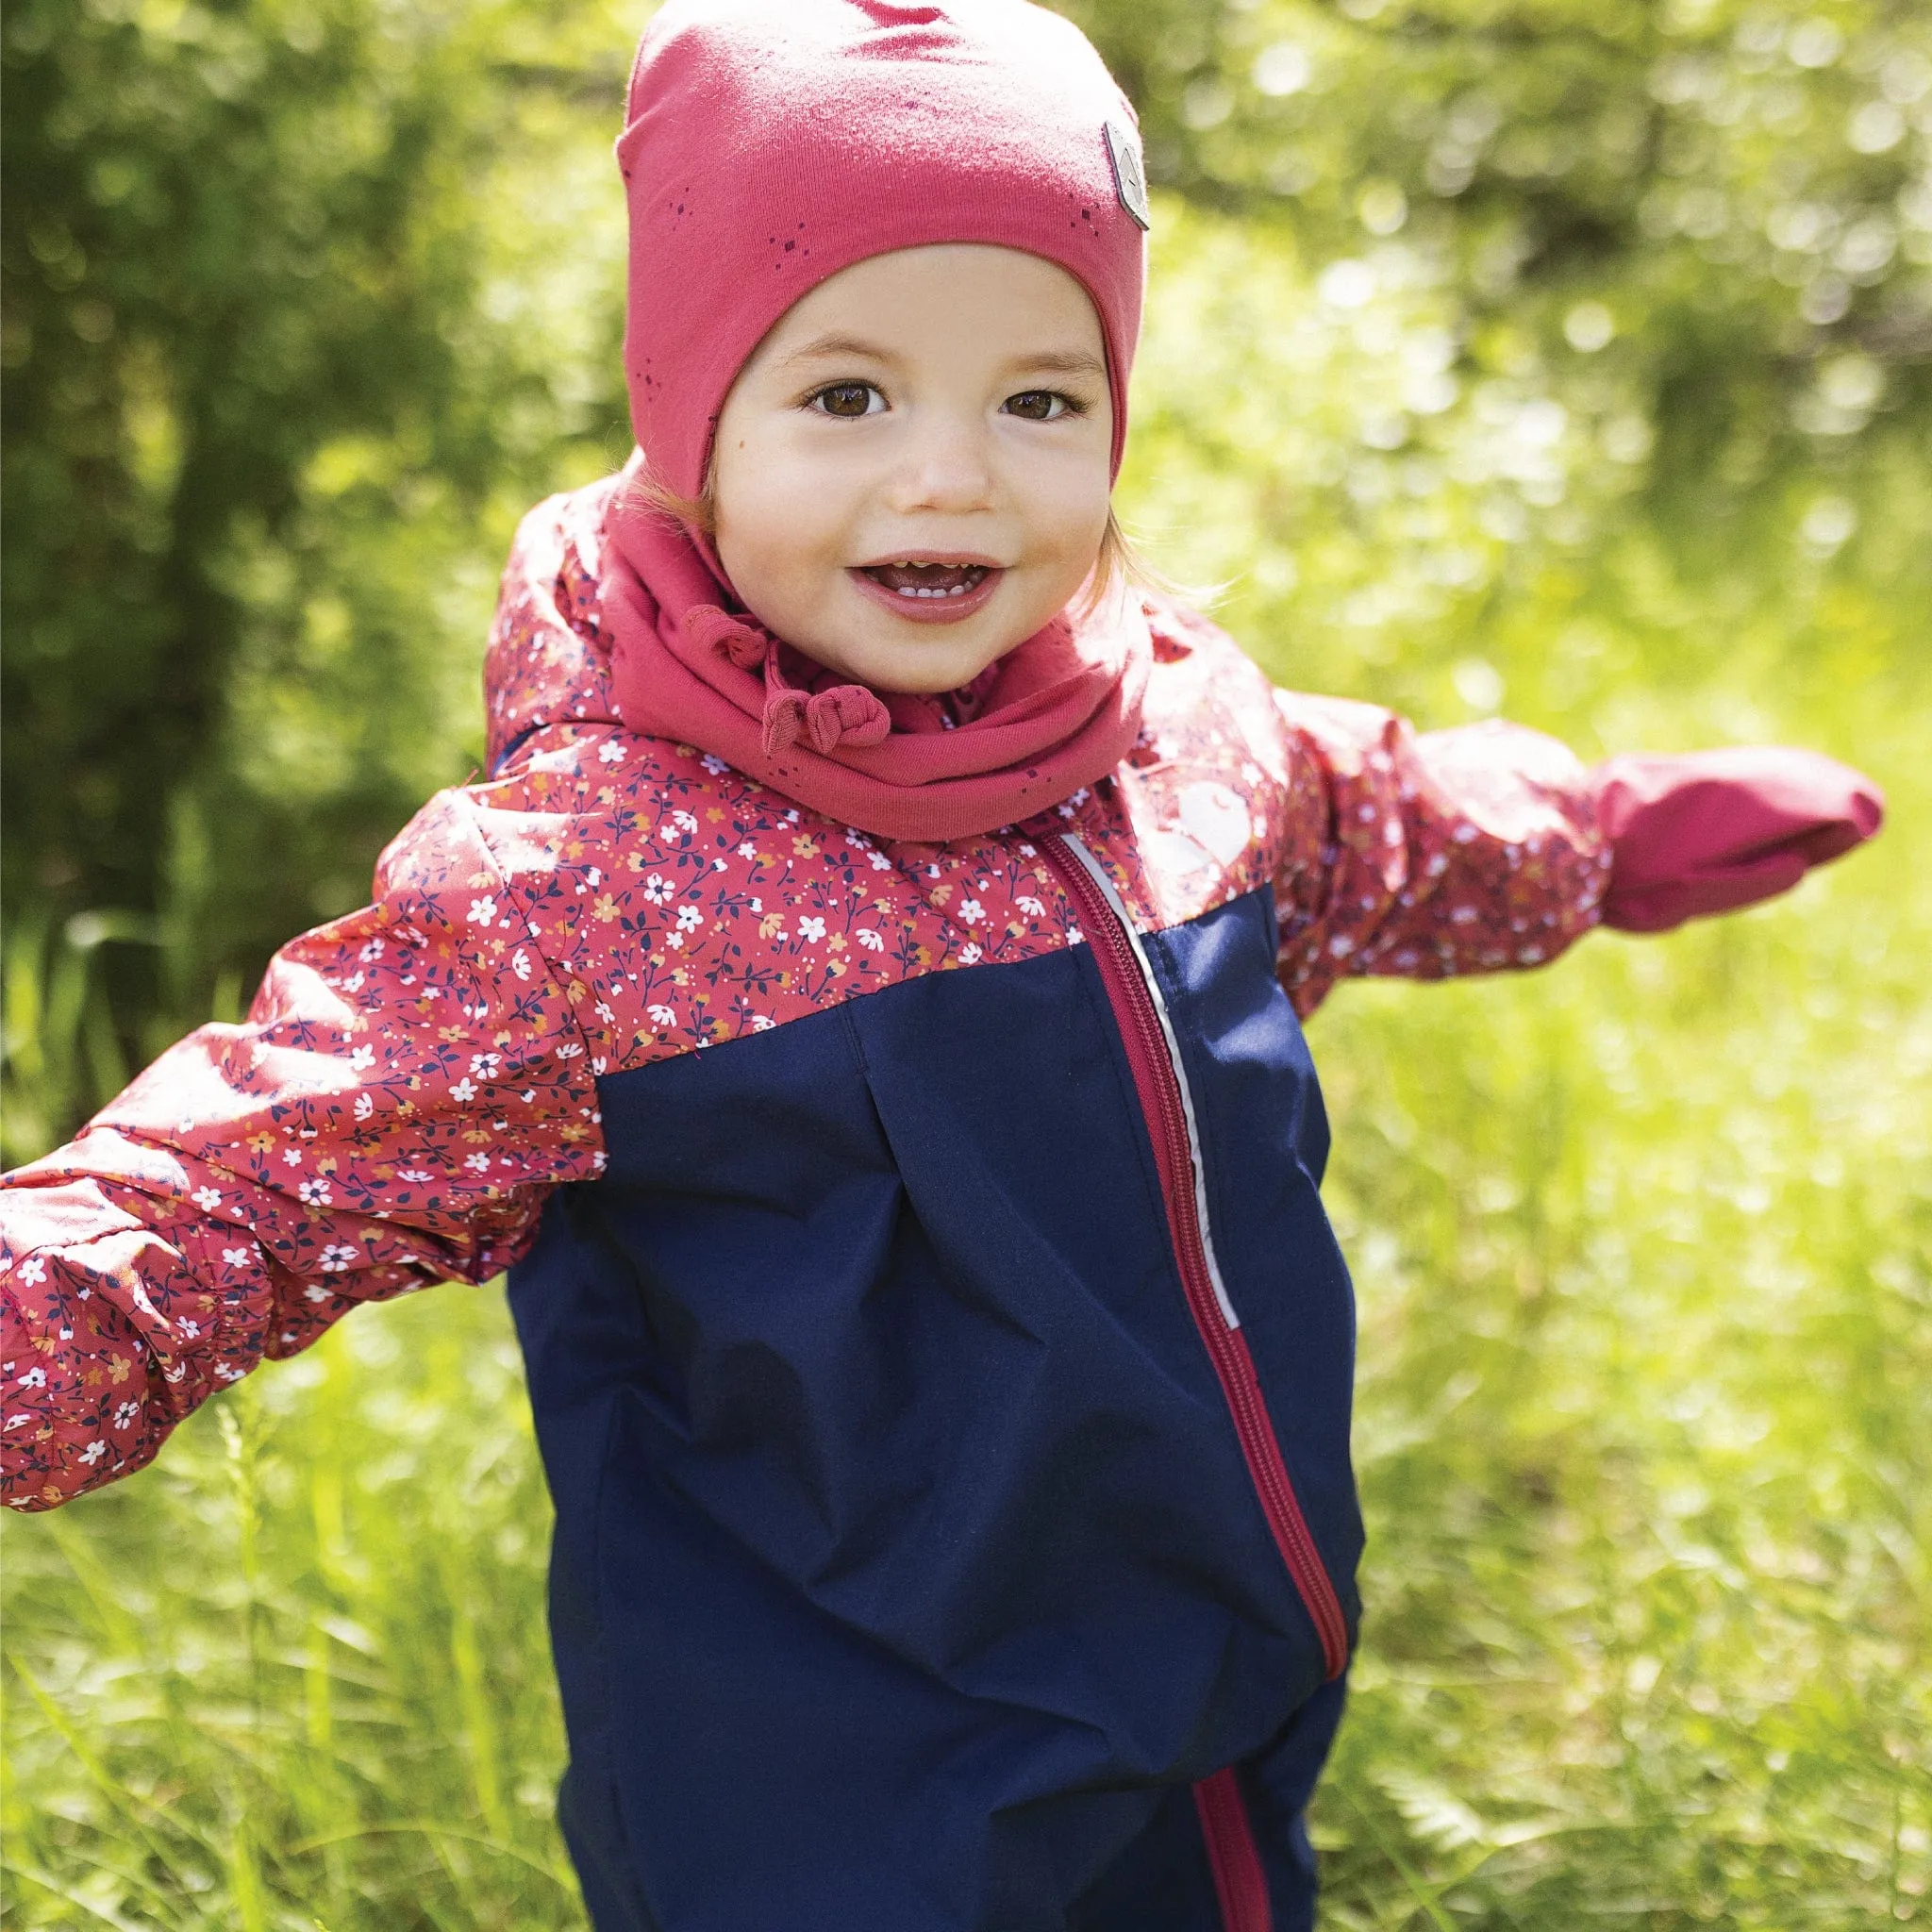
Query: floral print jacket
{"points": [[415, 1078]]}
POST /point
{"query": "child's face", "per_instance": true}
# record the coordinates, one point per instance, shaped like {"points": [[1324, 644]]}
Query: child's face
{"points": [[943, 407]]}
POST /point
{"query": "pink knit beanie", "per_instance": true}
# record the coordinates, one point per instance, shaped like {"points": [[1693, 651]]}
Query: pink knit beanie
{"points": [[770, 143]]}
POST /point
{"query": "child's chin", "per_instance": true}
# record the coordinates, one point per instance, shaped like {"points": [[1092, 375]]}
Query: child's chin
{"points": [[920, 660], [918, 674]]}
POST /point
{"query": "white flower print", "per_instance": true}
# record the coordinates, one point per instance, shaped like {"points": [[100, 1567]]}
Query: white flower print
{"points": [[34, 1378], [93, 1452], [126, 1413], [315, 1292], [655, 891], [335, 1261], [484, 1065], [13, 1421], [714, 764], [363, 1059], [675, 941], [520, 963], [747, 850], [970, 956], [689, 919], [1031, 906], [482, 912], [569, 1051], [661, 1016], [463, 1092], [761, 1023], [315, 1194], [683, 822], [610, 751], [33, 1272], [292, 1156], [188, 1329], [371, 952], [364, 1106], [478, 1163], [879, 861], [812, 930], [871, 941], [416, 1176], [971, 911], [234, 1258]]}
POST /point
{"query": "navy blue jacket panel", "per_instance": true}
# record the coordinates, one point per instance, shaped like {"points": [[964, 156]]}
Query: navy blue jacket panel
{"points": [[907, 1560]]}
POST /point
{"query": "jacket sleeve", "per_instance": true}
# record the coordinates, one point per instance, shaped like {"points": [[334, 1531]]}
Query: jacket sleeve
{"points": [[1429, 854], [409, 1085]]}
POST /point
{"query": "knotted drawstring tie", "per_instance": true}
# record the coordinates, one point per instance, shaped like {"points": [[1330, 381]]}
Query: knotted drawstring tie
{"points": [[713, 629], [845, 714]]}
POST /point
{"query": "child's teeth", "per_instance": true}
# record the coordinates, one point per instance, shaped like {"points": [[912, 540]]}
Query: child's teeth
{"points": [[965, 578]]}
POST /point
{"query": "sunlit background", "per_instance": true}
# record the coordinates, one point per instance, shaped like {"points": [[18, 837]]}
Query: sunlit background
{"points": [[1566, 359]]}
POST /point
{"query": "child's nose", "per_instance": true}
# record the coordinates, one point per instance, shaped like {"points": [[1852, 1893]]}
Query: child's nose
{"points": [[947, 466]]}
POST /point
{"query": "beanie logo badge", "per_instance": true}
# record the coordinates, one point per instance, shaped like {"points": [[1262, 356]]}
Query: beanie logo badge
{"points": [[1129, 178]]}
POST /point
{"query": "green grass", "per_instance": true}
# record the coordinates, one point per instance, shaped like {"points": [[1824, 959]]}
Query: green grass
{"points": [[1644, 1252]]}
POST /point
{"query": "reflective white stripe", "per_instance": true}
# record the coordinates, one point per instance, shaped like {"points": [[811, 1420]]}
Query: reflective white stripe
{"points": [[1091, 866]]}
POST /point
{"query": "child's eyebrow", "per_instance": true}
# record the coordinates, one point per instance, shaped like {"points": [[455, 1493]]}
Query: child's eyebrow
{"points": [[1046, 361], [822, 346], [1061, 362]]}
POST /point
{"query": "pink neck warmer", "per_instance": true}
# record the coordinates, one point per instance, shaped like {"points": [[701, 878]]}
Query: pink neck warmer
{"points": [[770, 143]]}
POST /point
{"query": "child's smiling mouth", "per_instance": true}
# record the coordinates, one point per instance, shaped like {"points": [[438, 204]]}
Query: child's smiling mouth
{"points": [[930, 590]]}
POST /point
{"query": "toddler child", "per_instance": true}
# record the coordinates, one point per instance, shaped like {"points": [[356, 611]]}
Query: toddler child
{"points": [[859, 1009]]}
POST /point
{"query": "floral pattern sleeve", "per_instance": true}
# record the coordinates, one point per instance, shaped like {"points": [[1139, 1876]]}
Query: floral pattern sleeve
{"points": [[409, 1087], [1428, 855]]}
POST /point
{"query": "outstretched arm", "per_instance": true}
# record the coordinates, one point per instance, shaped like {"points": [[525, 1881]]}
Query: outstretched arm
{"points": [[1492, 846], [409, 1087]]}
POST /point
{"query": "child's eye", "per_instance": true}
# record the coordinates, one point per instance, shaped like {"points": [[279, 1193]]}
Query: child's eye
{"points": [[847, 399], [1042, 404]]}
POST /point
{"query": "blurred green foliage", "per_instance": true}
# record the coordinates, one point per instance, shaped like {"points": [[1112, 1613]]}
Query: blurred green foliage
{"points": [[303, 305], [1568, 359]]}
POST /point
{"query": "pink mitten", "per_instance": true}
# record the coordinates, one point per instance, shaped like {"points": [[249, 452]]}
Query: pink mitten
{"points": [[1712, 830]]}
